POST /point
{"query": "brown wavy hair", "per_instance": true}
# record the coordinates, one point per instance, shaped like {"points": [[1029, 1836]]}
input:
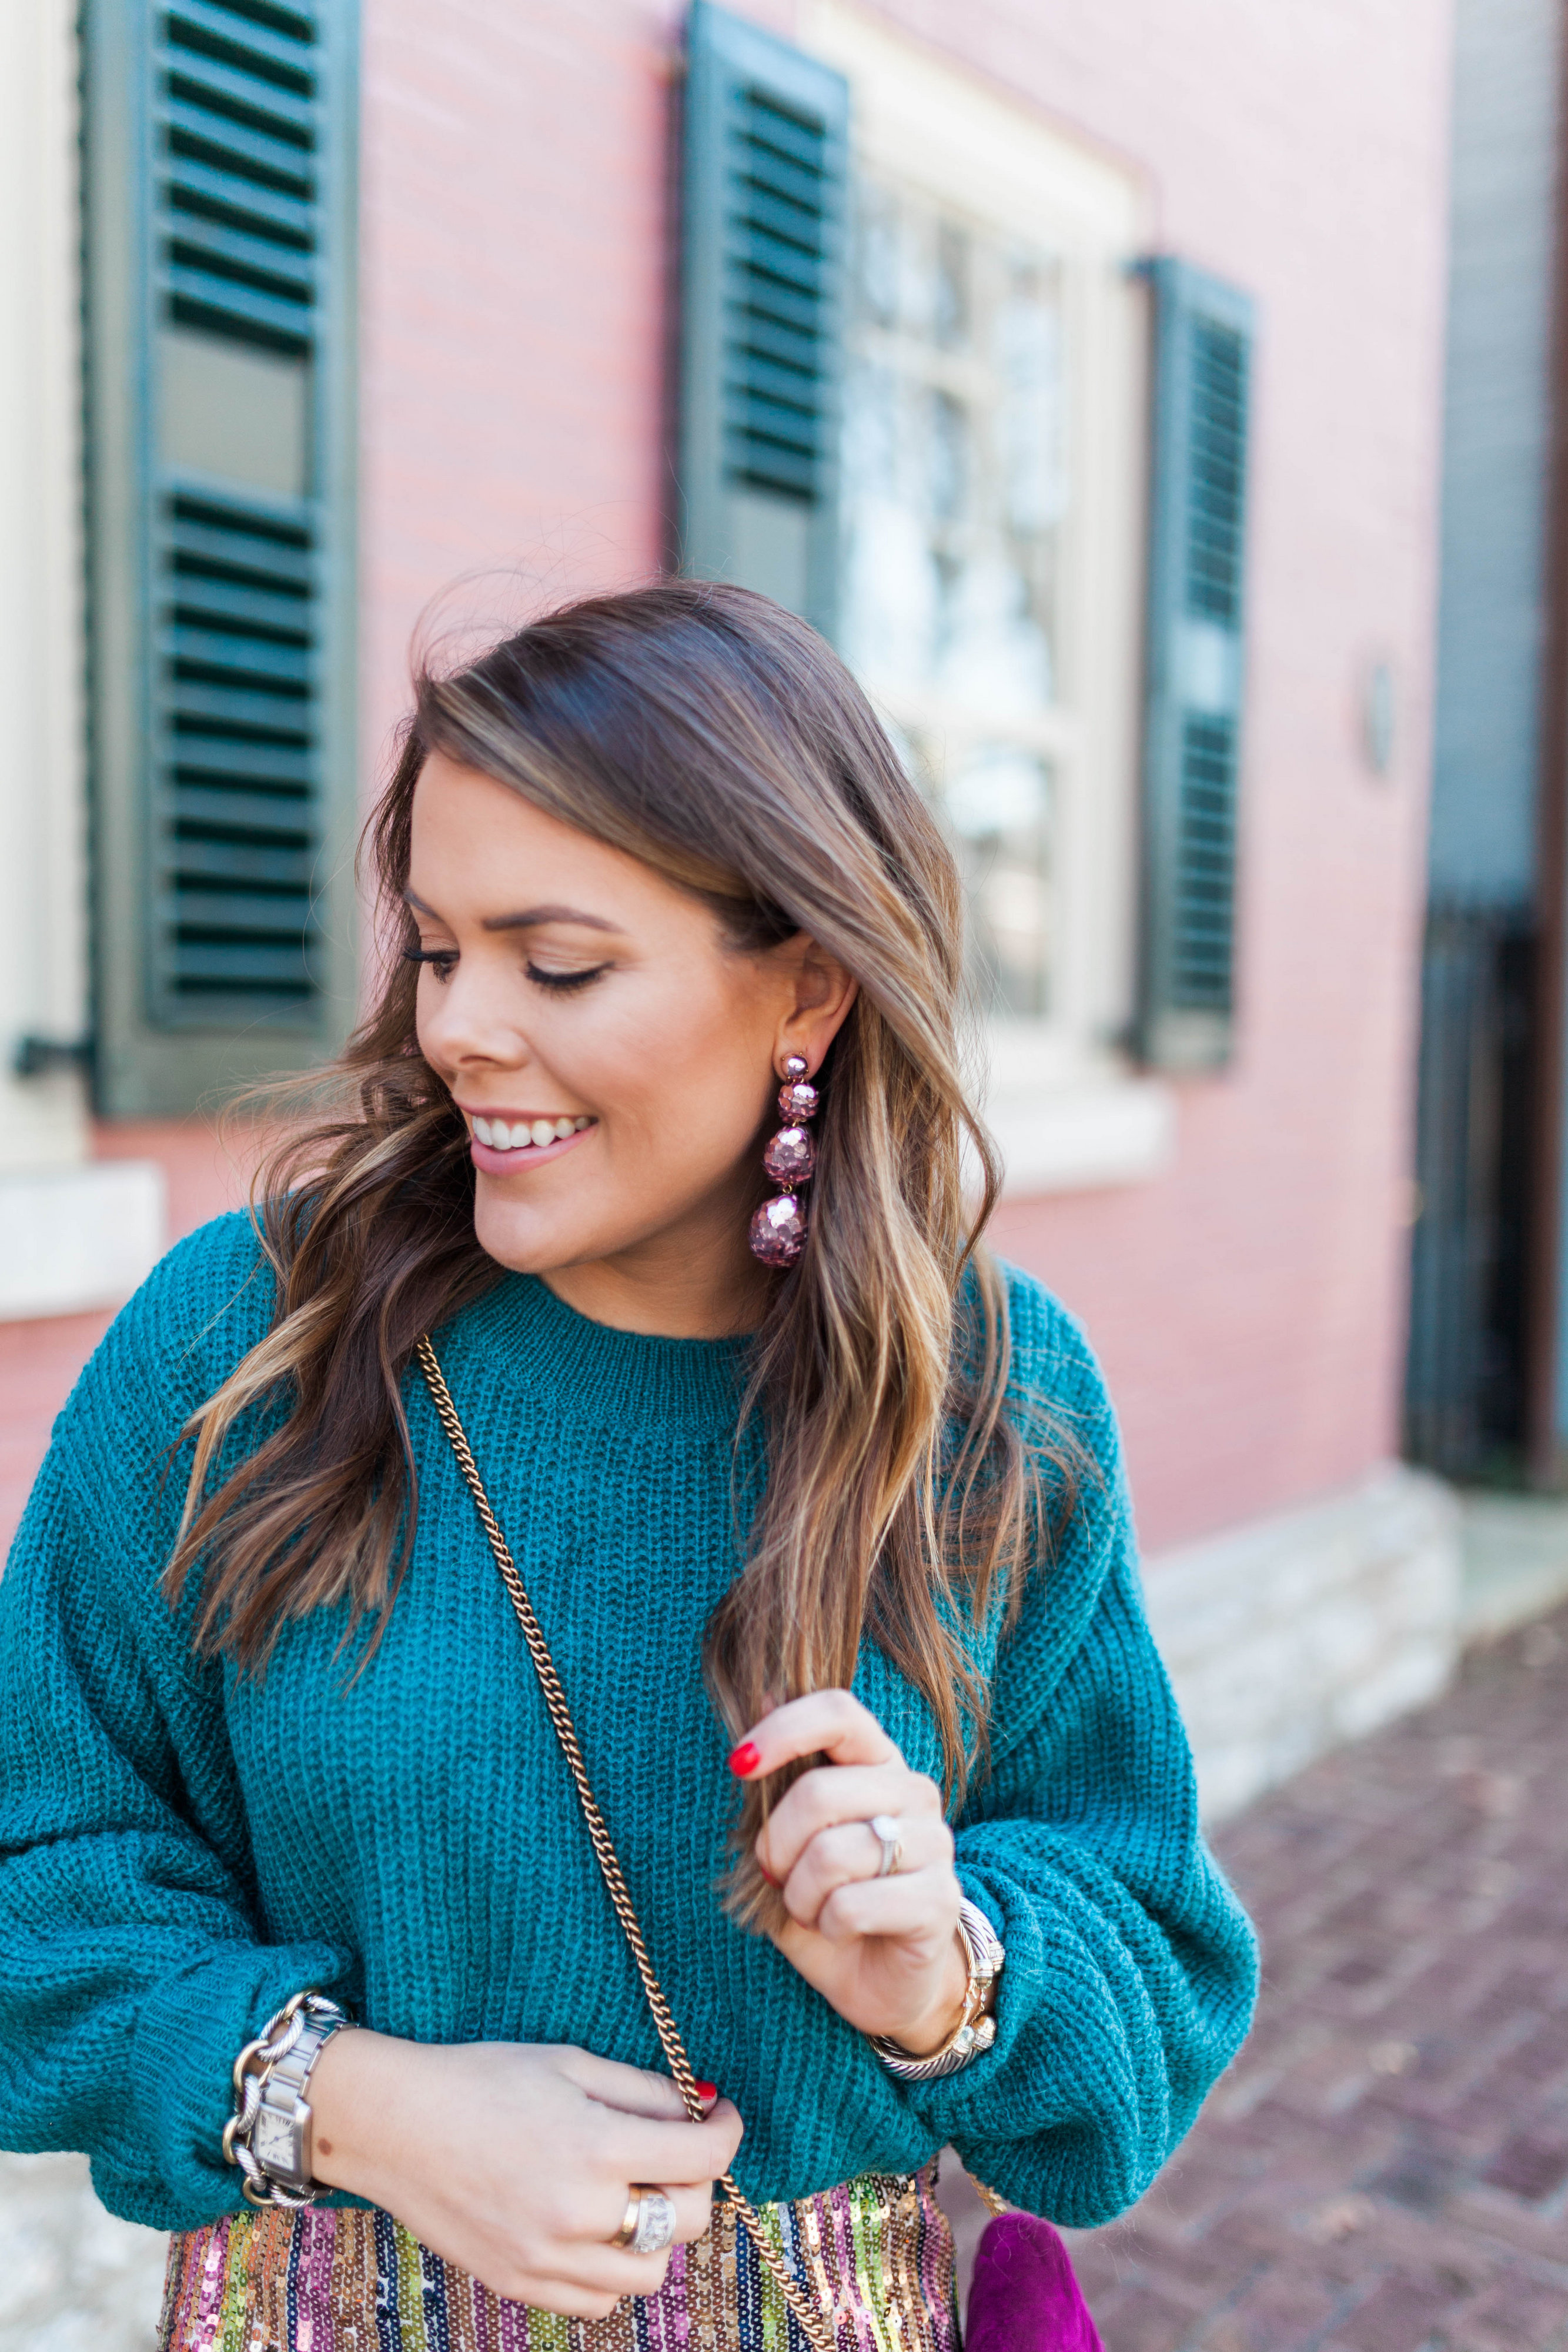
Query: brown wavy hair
{"points": [[718, 739]]}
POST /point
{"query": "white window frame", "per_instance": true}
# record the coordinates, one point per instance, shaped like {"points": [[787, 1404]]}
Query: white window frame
{"points": [[74, 1232], [1061, 1099]]}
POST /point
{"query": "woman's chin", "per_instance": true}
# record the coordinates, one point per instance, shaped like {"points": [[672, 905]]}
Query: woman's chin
{"points": [[521, 1238]]}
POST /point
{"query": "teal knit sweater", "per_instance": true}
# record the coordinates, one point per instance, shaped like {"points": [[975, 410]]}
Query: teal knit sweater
{"points": [[181, 1847]]}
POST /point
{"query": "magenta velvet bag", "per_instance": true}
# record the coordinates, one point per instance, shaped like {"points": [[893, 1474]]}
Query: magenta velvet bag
{"points": [[1024, 2298]]}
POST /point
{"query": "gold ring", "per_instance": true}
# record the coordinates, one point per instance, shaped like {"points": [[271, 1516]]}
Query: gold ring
{"points": [[628, 2230]]}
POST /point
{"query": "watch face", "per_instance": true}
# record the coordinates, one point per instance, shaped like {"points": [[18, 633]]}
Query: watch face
{"points": [[272, 2142]]}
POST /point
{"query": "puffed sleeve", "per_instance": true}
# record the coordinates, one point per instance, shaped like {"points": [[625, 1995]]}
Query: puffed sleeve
{"points": [[1131, 1967], [132, 1964]]}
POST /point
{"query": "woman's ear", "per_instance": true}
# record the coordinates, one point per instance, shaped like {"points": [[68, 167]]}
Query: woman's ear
{"points": [[822, 993]]}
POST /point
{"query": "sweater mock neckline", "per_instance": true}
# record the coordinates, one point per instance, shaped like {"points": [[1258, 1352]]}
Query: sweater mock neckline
{"points": [[533, 1342]]}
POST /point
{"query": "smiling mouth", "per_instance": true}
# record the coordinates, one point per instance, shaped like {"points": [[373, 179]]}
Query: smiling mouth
{"points": [[524, 1137]]}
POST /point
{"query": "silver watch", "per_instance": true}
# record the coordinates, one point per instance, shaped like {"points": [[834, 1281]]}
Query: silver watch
{"points": [[977, 2029], [269, 2132]]}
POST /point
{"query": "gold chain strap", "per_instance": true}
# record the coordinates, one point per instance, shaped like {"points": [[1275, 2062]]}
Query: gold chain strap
{"points": [[566, 1732]]}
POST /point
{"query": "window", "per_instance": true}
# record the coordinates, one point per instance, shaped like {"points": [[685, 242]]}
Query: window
{"points": [[992, 513], [956, 494], [919, 340]]}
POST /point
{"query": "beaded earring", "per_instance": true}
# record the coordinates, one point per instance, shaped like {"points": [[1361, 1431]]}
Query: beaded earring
{"points": [[779, 1228]]}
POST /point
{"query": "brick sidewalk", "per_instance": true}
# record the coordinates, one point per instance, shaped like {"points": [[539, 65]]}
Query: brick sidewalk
{"points": [[1386, 2168]]}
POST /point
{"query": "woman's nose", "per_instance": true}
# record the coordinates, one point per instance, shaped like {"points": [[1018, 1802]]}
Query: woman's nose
{"points": [[468, 1019]]}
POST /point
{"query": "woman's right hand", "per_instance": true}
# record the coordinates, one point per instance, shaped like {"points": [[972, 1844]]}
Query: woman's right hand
{"points": [[515, 2160]]}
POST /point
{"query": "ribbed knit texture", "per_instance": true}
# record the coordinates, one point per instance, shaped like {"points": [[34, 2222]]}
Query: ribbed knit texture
{"points": [[181, 1847]]}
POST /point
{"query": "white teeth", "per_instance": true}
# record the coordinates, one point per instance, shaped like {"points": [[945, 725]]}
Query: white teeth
{"points": [[527, 1134]]}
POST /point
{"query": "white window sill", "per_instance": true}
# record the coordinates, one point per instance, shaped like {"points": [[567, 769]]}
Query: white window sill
{"points": [[1076, 1137], [77, 1237]]}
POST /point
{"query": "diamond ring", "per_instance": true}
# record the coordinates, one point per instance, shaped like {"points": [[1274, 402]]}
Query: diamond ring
{"points": [[649, 2223]]}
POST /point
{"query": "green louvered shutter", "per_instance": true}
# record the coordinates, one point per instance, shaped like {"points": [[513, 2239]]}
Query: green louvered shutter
{"points": [[1192, 739], [220, 304], [765, 140]]}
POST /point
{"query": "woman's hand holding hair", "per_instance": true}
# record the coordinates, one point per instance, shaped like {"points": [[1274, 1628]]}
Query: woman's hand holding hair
{"points": [[516, 2159], [883, 1950]]}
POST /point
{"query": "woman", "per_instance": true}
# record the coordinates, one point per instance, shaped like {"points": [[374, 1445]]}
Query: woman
{"points": [[829, 1545]]}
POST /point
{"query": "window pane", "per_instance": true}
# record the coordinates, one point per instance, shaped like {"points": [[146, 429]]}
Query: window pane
{"points": [[956, 470], [998, 805], [955, 493]]}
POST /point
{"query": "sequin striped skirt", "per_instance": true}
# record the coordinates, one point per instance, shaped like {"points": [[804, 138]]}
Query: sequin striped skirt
{"points": [[878, 2251]]}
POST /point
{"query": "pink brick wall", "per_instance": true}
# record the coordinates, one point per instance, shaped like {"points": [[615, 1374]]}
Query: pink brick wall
{"points": [[1247, 1304], [513, 312]]}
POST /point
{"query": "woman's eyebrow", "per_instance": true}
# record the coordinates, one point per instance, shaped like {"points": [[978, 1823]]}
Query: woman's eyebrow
{"points": [[524, 917]]}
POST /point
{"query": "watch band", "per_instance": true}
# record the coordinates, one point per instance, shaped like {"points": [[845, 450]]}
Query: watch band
{"points": [[269, 2132], [975, 2030]]}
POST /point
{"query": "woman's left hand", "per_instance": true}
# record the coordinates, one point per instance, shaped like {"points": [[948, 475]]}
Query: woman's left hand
{"points": [[884, 1951]]}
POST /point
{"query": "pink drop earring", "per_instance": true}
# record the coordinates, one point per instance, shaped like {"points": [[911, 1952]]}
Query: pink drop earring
{"points": [[779, 1228]]}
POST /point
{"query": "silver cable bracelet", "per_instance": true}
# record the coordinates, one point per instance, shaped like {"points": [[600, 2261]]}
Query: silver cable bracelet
{"points": [[266, 2136], [975, 2030]]}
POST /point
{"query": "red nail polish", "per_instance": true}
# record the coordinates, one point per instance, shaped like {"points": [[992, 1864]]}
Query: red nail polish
{"points": [[707, 2093], [745, 1759]]}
